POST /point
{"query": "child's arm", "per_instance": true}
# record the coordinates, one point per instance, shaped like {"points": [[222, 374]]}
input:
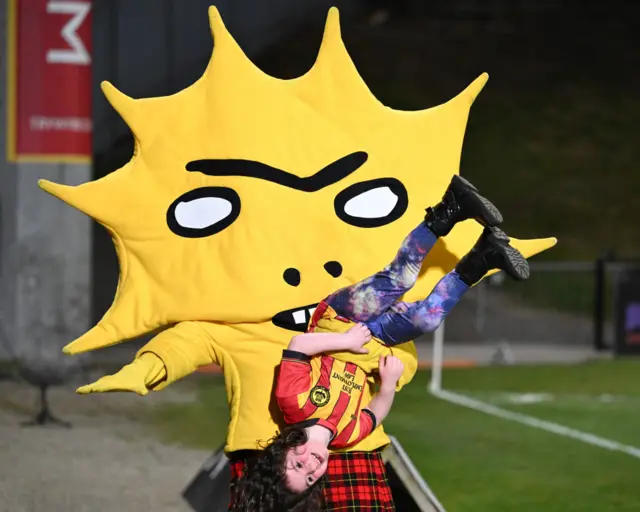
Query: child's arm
{"points": [[314, 343], [293, 379], [391, 369]]}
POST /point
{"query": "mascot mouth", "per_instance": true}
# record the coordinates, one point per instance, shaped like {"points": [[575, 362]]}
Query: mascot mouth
{"points": [[295, 319]]}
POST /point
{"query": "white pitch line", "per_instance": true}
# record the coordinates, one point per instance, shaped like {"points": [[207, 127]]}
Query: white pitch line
{"points": [[530, 421]]}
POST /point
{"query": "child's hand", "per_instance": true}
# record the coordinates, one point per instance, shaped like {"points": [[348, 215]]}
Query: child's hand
{"points": [[358, 336], [390, 368]]}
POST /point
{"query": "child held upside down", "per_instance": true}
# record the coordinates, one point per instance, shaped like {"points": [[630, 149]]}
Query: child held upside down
{"points": [[327, 403]]}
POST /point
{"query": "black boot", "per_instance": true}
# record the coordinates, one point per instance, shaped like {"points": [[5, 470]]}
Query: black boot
{"points": [[461, 201], [492, 251]]}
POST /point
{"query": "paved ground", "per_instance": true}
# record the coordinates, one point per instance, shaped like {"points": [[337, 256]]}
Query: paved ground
{"points": [[105, 463], [520, 353]]}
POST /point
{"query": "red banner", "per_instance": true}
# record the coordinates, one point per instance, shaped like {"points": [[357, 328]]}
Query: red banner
{"points": [[49, 80]]}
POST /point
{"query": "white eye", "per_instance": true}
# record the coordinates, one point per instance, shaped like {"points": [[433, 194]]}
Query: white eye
{"points": [[203, 212], [372, 204]]}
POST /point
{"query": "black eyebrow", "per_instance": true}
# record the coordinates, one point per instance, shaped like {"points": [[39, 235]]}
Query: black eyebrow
{"points": [[331, 174]]}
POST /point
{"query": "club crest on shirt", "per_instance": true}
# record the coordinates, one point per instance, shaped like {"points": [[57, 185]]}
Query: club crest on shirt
{"points": [[320, 396]]}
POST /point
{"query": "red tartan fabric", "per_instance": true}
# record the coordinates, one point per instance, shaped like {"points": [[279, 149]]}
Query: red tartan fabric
{"points": [[355, 481]]}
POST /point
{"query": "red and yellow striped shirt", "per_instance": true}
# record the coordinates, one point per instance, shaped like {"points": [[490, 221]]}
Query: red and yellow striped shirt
{"points": [[324, 391]]}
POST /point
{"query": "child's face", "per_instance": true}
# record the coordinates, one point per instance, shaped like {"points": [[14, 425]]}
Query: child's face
{"points": [[305, 465]]}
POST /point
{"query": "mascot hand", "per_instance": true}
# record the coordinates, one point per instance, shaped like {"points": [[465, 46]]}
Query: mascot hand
{"points": [[133, 377]]}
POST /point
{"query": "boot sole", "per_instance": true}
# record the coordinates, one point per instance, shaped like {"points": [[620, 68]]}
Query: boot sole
{"points": [[515, 264], [496, 235], [487, 213]]}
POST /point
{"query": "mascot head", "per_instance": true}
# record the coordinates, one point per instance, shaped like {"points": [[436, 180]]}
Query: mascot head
{"points": [[250, 198]]}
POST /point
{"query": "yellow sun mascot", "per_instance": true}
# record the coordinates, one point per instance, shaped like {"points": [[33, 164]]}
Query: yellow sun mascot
{"points": [[248, 200]]}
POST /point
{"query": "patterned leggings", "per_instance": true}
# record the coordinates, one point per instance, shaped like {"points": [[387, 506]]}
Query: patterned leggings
{"points": [[373, 301]]}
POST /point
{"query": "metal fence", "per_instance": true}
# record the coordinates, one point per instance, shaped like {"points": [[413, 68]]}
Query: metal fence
{"points": [[555, 305], [562, 303]]}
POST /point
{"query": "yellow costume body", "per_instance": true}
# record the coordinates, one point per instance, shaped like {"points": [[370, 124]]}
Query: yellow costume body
{"points": [[300, 173], [249, 372]]}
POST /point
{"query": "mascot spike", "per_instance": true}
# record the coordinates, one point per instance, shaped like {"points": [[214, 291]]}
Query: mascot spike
{"points": [[97, 337], [104, 334], [332, 49], [473, 89], [332, 26], [531, 247], [115, 326], [77, 196], [126, 106], [457, 107], [333, 52], [217, 26], [333, 71], [98, 199], [227, 48]]}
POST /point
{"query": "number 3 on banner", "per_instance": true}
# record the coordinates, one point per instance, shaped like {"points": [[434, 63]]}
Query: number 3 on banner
{"points": [[76, 54]]}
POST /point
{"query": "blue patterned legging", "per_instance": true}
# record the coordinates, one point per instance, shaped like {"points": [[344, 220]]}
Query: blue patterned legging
{"points": [[373, 300]]}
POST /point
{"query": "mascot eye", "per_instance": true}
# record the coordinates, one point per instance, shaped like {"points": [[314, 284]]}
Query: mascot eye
{"points": [[203, 212], [371, 204]]}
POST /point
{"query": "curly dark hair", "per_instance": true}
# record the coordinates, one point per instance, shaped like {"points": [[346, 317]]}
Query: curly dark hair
{"points": [[262, 487]]}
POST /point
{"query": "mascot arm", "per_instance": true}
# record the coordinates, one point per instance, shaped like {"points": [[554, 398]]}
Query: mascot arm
{"points": [[168, 357], [178, 352]]}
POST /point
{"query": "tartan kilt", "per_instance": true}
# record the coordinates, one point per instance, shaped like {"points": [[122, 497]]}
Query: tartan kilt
{"points": [[354, 481]]}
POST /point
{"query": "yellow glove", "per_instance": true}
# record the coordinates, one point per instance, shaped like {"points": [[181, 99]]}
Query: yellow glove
{"points": [[139, 376]]}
